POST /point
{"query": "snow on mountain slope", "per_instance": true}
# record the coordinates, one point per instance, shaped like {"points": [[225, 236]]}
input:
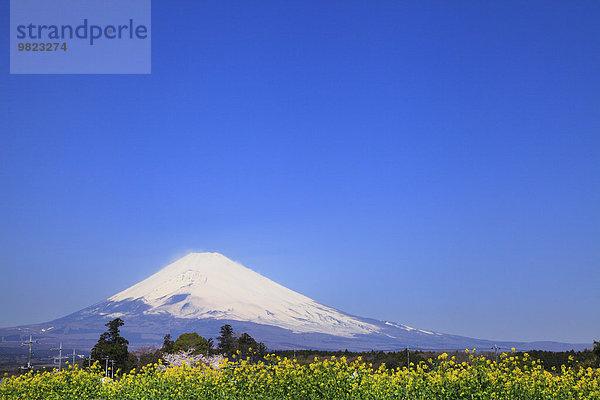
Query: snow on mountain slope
{"points": [[210, 285]]}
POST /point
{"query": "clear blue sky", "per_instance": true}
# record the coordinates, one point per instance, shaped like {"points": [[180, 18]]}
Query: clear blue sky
{"points": [[431, 163]]}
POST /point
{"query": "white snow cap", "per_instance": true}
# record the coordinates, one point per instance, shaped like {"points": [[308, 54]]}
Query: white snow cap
{"points": [[210, 285]]}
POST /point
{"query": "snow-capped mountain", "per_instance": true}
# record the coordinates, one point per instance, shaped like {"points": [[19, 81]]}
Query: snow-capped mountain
{"points": [[203, 291], [210, 285]]}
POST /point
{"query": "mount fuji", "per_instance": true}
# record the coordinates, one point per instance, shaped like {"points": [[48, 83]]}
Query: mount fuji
{"points": [[203, 291]]}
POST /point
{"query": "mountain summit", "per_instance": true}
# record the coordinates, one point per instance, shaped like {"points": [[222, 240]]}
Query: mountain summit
{"points": [[210, 285], [203, 291]]}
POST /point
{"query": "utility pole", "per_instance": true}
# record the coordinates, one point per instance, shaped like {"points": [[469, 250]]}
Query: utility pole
{"points": [[112, 368], [112, 362], [496, 348], [60, 357], [73, 358], [408, 356], [106, 373], [30, 343]]}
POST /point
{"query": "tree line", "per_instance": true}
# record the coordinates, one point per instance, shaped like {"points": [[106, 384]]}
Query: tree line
{"points": [[113, 348], [550, 360]]}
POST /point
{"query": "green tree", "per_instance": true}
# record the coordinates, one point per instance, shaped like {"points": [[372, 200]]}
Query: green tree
{"points": [[148, 355], [113, 346], [227, 342], [246, 344], [168, 345], [191, 341], [597, 349], [261, 349]]}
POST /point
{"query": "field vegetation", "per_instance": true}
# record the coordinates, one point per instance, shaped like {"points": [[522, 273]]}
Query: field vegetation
{"points": [[273, 377]]}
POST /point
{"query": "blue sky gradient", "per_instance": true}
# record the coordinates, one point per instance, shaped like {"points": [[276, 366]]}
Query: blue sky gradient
{"points": [[430, 163]]}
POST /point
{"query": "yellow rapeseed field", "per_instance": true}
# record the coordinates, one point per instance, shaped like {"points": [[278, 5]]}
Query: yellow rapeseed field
{"points": [[276, 378]]}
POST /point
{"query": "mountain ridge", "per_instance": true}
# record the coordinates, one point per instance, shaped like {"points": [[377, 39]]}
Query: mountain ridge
{"points": [[202, 291]]}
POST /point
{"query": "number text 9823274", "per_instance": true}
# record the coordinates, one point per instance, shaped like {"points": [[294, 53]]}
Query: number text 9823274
{"points": [[42, 46]]}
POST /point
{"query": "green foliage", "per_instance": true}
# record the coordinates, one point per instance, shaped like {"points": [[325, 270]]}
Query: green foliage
{"points": [[191, 342], [261, 349], [597, 349], [230, 343], [168, 345], [390, 359], [551, 359], [113, 346], [147, 356], [246, 344], [132, 362], [226, 340], [274, 378]]}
